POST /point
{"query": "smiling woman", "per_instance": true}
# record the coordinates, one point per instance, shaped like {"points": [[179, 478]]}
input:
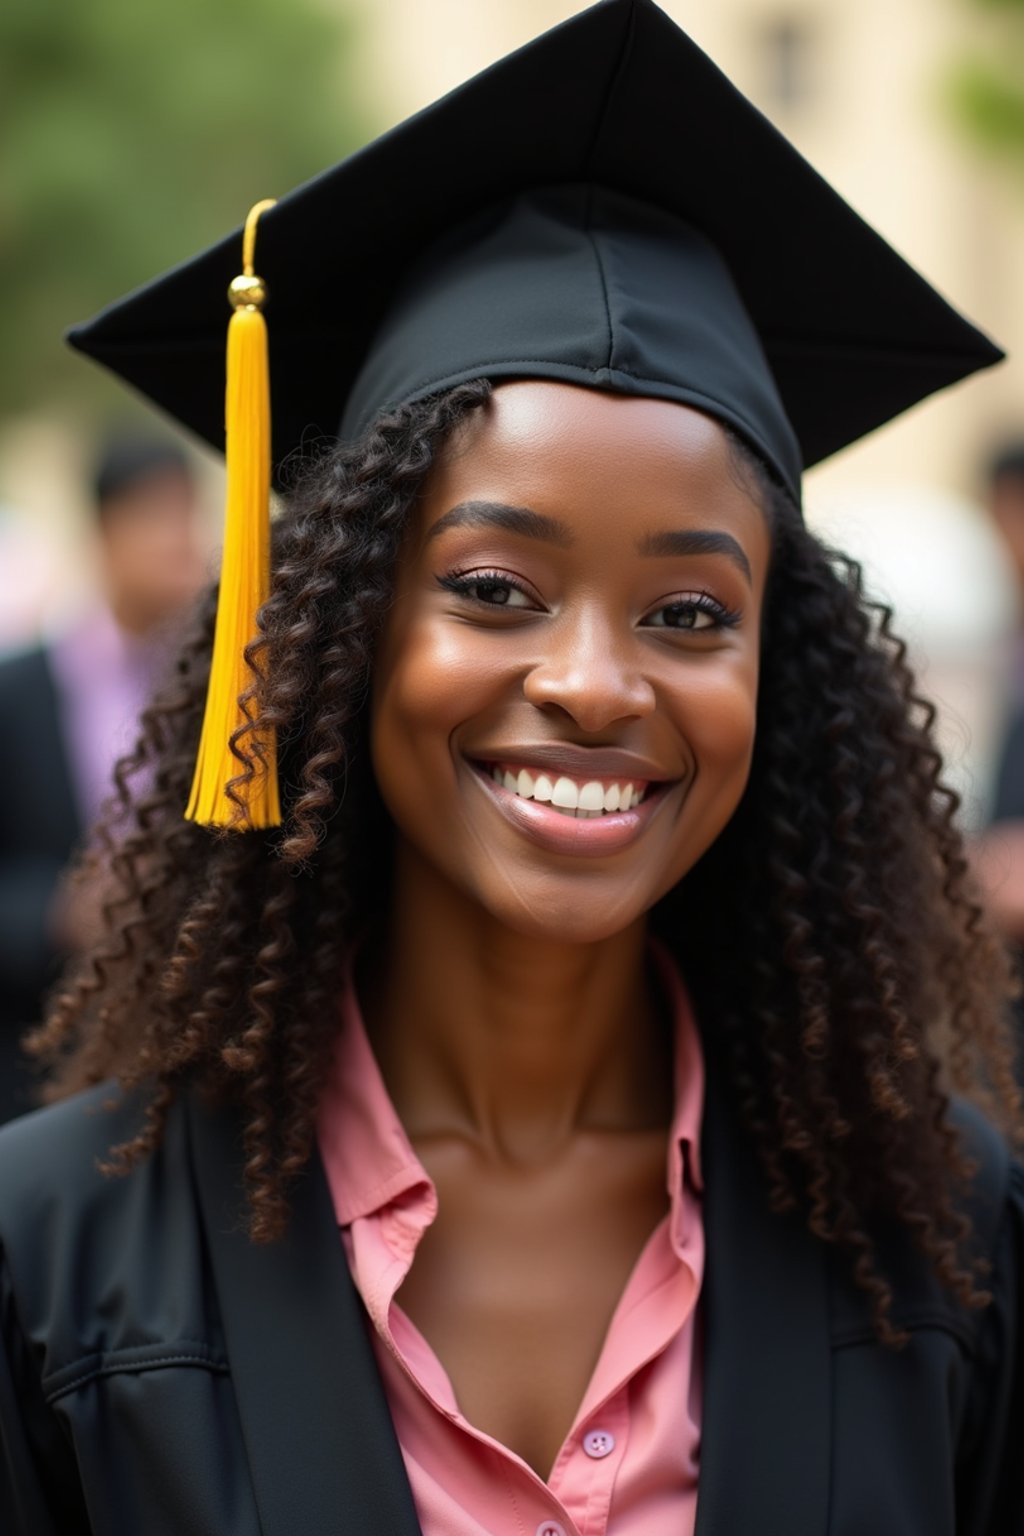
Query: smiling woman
{"points": [[601, 622], [589, 1111]]}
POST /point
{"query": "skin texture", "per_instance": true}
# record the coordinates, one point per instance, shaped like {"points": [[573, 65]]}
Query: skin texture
{"points": [[516, 1027]]}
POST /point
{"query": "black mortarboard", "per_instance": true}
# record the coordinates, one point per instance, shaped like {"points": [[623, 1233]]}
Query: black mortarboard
{"points": [[601, 207], [617, 98]]}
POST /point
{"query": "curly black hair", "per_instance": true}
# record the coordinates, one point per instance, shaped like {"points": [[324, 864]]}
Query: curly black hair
{"points": [[830, 932]]}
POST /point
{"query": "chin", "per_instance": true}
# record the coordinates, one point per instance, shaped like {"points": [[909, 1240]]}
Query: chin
{"points": [[566, 917]]}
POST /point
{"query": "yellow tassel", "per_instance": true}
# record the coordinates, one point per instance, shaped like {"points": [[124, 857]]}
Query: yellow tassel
{"points": [[245, 570]]}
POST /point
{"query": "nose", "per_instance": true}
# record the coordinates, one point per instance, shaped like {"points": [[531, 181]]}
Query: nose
{"points": [[591, 671]]}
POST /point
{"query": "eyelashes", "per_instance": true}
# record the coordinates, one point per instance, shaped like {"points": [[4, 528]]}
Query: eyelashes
{"points": [[491, 589], [691, 612], [687, 612]]}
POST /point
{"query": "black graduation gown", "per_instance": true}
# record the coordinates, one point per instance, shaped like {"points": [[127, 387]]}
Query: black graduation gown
{"points": [[161, 1376], [40, 827]]}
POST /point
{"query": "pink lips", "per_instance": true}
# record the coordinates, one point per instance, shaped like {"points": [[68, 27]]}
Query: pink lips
{"points": [[565, 834]]}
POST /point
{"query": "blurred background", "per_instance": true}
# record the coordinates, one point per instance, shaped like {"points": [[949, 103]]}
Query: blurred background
{"points": [[132, 135]]}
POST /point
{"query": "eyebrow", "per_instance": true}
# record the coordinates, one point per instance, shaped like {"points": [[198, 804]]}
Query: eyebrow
{"points": [[696, 541], [536, 525], [494, 514]]}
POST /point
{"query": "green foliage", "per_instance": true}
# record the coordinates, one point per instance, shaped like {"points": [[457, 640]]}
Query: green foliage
{"points": [[992, 106], [134, 132], [987, 85]]}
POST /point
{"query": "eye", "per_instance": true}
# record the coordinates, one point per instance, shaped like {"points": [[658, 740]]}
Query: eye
{"points": [[699, 612], [491, 589]]}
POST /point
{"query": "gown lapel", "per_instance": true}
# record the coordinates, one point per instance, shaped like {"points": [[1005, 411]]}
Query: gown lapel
{"points": [[766, 1436], [323, 1457]]}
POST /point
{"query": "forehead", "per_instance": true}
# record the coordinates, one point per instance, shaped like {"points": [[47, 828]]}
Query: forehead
{"points": [[600, 458]]}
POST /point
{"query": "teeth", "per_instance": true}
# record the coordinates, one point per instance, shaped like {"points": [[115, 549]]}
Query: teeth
{"points": [[592, 796], [584, 801], [565, 795]]}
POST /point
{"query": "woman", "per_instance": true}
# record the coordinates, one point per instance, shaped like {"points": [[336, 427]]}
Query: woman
{"points": [[613, 842]]}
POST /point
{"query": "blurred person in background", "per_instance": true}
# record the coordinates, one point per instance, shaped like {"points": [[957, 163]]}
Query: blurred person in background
{"points": [[68, 709], [999, 852]]}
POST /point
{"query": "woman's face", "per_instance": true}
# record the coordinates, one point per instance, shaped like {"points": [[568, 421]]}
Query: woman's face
{"points": [[565, 693]]}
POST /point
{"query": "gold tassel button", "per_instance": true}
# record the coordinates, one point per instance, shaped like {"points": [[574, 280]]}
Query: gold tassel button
{"points": [[245, 569], [247, 291]]}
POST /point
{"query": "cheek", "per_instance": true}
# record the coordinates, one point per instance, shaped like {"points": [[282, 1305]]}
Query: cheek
{"points": [[718, 719], [430, 677], [721, 719]]}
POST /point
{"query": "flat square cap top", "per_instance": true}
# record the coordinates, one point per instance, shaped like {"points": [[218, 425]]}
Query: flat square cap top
{"points": [[617, 106]]}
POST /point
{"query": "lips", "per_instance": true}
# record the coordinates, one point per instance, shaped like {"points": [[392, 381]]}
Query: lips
{"points": [[585, 828], [562, 758]]}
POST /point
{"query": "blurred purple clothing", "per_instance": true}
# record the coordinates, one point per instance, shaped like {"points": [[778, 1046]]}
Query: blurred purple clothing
{"points": [[104, 678]]}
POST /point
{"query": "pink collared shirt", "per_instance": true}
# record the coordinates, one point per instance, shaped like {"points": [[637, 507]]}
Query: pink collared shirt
{"points": [[629, 1464]]}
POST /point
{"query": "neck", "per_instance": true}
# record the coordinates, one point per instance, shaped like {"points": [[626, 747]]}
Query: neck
{"points": [[512, 1041]]}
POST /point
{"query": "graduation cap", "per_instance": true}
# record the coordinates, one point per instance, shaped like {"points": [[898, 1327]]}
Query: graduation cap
{"points": [[601, 207]]}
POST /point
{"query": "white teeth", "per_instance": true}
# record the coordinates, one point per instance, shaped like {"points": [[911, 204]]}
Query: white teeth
{"points": [[592, 796], [584, 801], [565, 794]]}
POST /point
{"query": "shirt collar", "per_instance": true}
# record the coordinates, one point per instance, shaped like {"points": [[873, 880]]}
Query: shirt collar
{"points": [[368, 1158], [685, 1175], [371, 1163]]}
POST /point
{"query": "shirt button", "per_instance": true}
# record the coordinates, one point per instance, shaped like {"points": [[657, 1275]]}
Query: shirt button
{"points": [[550, 1528], [598, 1443]]}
